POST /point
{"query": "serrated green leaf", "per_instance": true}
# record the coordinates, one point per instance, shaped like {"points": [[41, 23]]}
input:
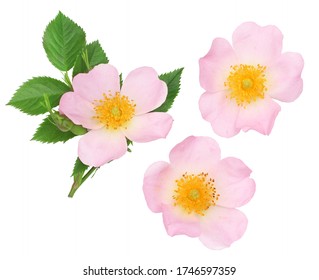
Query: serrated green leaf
{"points": [[63, 40], [47, 132], [29, 97], [95, 56], [173, 81], [79, 168]]}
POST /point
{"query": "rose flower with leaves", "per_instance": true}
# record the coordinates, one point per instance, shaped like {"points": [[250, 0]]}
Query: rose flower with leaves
{"points": [[95, 104]]}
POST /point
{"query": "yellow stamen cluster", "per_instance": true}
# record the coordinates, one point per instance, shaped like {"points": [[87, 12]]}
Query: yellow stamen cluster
{"points": [[246, 83], [195, 193], [114, 111]]}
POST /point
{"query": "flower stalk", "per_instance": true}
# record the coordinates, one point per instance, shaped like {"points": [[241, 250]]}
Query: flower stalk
{"points": [[79, 180]]}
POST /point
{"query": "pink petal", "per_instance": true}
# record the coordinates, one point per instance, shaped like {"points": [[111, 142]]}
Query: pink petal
{"points": [[103, 78], [255, 44], [143, 86], [222, 226], [177, 222], [233, 183], [211, 104], [153, 185], [195, 154], [259, 116], [286, 83], [149, 127], [236, 194], [215, 65], [79, 110], [98, 147], [232, 170], [220, 112]]}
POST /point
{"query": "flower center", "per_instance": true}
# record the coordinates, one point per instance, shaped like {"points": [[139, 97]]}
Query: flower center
{"points": [[195, 193], [246, 83], [114, 111]]}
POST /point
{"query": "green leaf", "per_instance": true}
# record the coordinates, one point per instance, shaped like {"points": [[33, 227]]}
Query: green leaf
{"points": [[173, 81], [79, 168], [94, 54], [29, 97], [63, 40], [47, 132]]}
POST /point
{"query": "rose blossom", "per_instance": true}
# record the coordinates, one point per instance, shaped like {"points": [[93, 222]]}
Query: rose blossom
{"points": [[241, 80], [197, 192], [113, 114]]}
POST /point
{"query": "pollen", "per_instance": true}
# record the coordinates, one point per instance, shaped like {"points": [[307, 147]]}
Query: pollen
{"points": [[246, 83], [195, 193], [114, 110]]}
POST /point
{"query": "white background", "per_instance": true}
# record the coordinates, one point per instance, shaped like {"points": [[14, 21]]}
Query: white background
{"points": [[46, 235]]}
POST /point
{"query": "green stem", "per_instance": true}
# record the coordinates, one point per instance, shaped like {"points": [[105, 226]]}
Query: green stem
{"points": [[67, 80], [85, 57], [88, 174], [47, 103], [78, 183]]}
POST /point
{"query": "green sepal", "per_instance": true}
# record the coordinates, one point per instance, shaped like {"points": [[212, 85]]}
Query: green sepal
{"points": [[129, 142], [48, 132], [121, 80], [63, 40], [173, 82], [90, 56], [29, 97]]}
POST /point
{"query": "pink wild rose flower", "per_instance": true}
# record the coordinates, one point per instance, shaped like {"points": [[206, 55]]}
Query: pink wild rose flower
{"points": [[197, 192], [113, 114], [241, 80]]}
